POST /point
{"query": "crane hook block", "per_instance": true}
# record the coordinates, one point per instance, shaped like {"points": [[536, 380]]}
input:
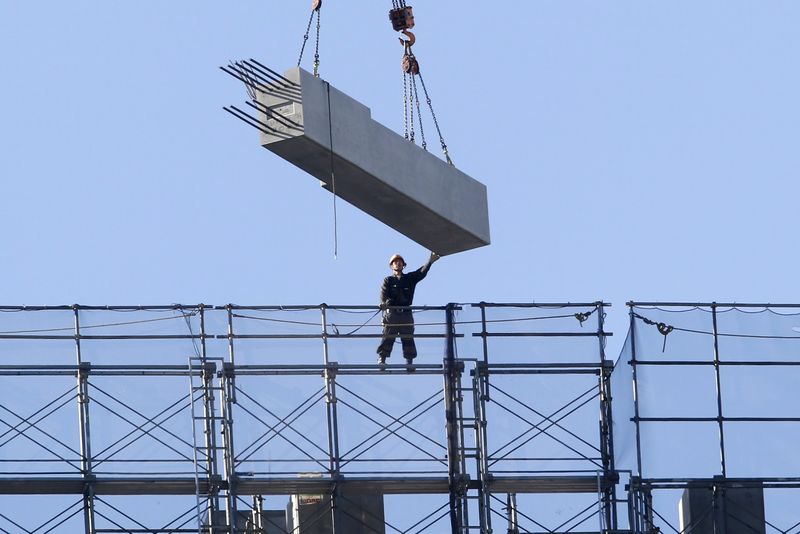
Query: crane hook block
{"points": [[316, 5], [410, 65], [333, 137], [402, 18]]}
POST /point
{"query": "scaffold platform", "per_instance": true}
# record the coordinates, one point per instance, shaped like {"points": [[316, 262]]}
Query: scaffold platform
{"points": [[179, 418]]}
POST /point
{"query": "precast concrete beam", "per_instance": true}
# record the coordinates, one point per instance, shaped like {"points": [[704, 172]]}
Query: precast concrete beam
{"points": [[333, 137]]}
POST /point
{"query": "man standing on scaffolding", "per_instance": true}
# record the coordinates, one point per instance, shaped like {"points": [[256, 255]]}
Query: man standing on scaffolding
{"points": [[397, 292]]}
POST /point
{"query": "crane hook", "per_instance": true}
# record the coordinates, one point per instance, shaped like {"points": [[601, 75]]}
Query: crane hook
{"points": [[411, 39], [316, 5]]}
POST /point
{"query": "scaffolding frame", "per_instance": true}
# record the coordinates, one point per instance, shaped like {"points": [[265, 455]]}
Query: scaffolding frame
{"points": [[644, 516], [466, 469]]}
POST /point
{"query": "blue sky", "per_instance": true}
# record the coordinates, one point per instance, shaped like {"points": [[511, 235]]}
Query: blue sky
{"points": [[631, 150]]}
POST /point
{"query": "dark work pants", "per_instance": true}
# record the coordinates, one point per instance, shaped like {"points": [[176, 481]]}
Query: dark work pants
{"points": [[398, 324]]}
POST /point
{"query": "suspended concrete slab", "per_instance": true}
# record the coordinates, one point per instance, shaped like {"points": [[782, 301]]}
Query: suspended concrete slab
{"points": [[331, 136]]}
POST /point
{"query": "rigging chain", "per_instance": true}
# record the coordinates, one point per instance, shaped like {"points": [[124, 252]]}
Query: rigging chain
{"points": [[402, 19], [316, 9]]}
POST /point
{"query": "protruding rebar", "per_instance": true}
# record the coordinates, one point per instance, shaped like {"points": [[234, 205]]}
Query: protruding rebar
{"points": [[255, 123], [256, 83], [274, 74], [247, 76], [270, 113], [242, 78]]}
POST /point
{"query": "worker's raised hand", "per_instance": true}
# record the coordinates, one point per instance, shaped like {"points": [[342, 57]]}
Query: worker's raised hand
{"points": [[434, 257]]}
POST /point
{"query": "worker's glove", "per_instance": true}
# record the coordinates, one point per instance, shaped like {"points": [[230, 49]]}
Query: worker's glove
{"points": [[434, 257], [384, 306]]}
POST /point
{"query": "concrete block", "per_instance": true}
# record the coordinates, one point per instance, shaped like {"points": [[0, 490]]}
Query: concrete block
{"points": [[315, 126], [734, 510], [358, 514]]}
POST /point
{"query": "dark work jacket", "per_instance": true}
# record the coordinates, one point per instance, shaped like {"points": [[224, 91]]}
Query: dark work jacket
{"points": [[399, 291]]}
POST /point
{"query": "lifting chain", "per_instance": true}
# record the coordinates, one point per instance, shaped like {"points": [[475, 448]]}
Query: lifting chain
{"points": [[316, 9], [435, 121], [402, 19], [405, 104], [411, 108], [419, 112]]}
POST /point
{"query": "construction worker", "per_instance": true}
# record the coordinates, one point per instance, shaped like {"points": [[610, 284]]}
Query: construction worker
{"points": [[397, 291]]}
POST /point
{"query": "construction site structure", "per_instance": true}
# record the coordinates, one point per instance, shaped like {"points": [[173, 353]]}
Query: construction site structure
{"points": [[268, 419]]}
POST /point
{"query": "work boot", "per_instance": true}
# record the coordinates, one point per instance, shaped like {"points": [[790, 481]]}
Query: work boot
{"points": [[410, 364], [382, 362]]}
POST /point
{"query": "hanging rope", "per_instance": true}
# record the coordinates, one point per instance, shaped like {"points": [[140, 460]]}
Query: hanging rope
{"points": [[362, 325], [333, 177], [316, 9]]}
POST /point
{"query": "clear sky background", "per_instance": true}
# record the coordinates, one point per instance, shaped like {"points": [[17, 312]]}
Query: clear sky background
{"points": [[631, 149]]}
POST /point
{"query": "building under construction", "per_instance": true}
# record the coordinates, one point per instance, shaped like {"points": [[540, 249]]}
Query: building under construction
{"points": [[269, 419]]}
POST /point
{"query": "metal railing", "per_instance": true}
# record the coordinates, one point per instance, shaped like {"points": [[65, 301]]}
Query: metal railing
{"points": [[288, 400]]}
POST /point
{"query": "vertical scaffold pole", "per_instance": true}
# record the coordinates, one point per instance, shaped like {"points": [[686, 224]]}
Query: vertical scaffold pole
{"points": [[606, 427], [485, 343], [333, 425], [635, 393], [85, 434], [648, 510], [632, 517], [228, 400], [513, 521], [209, 428], [718, 378], [719, 490], [258, 513], [451, 393], [480, 395], [636, 504]]}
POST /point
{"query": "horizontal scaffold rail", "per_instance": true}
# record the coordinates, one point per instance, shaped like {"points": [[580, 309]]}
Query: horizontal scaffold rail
{"points": [[224, 405], [292, 486]]}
